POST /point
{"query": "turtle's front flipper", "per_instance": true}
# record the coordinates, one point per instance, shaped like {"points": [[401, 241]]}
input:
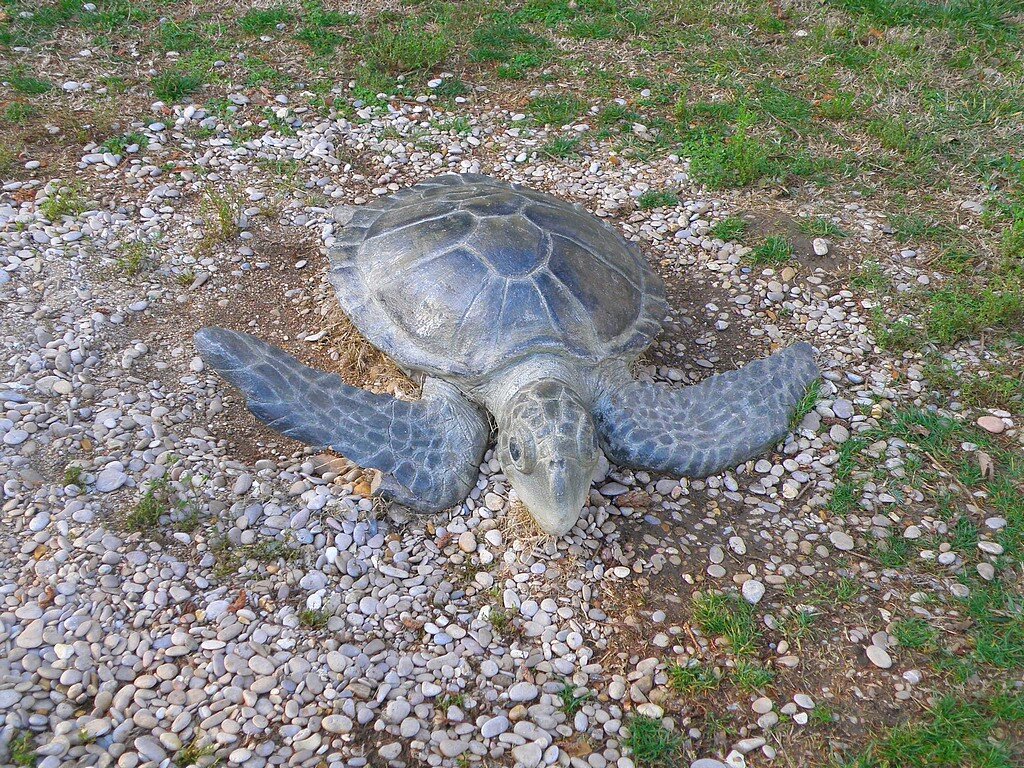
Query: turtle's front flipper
{"points": [[429, 451], [699, 430]]}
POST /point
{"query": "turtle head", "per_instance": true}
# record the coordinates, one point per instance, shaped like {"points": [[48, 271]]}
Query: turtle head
{"points": [[548, 448]]}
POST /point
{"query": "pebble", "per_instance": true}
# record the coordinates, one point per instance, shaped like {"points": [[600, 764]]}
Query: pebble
{"points": [[110, 479], [879, 656], [495, 726], [992, 424], [521, 692], [841, 540], [753, 591]]}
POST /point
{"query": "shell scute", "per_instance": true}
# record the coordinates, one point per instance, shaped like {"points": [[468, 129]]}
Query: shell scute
{"points": [[461, 275]]}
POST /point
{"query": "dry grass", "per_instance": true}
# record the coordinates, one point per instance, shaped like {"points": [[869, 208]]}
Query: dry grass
{"points": [[357, 361], [519, 526]]}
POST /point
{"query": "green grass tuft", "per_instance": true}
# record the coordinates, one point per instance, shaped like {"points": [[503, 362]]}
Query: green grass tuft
{"points": [[729, 228], [262, 21], [561, 147], [408, 48], [820, 227], [23, 751], [67, 201], [651, 744], [571, 699], [657, 198], [313, 619], [775, 250], [175, 84], [27, 84], [555, 110], [806, 404], [916, 635], [728, 616], [692, 678], [958, 732]]}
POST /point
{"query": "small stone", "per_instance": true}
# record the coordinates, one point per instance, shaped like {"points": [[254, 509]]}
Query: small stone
{"points": [[31, 636], [528, 755], [495, 727], [753, 591], [110, 479], [820, 246], [841, 540], [743, 746], [992, 424], [762, 705], [838, 433], [879, 657], [522, 692], [804, 701], [337, 724], [708, 762], [467, 542], [990, 547]]}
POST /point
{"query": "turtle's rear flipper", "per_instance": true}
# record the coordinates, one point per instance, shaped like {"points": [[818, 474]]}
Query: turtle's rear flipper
{"points": [[702, 429], [429, 451]]}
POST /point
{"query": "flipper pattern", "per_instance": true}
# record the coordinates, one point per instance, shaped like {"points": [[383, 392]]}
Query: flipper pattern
{"points": [[699, 430], [429, 451]]}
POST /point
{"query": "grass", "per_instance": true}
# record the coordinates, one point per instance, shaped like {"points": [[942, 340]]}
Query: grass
{"points": [[820, 227], [133, 258], [22, 750], [995, 619], [916, 635], [657, 198], [173, 85], [500, 619], [692, 679], [193, 752], [561, 147], [953, 313], [28, 84], [271, 550], [650, 743], [555, 110], [263, 21], [449, 700], [313, 619], [775, 250], [729, 228], [750, 677], [728, 616], [998, 388], [409, 47], [156, 502], [822, 715], [571, 699], [959, 731], [223, 212], [67, 201], [73, 476], [806, 404], [117, 145], [841, 591]]}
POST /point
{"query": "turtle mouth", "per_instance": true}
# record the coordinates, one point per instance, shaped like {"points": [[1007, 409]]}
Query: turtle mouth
{"points": [[554, 493]]}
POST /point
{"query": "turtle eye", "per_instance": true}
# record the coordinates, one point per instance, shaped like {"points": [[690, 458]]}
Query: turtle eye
{"points": [[523, 453]]}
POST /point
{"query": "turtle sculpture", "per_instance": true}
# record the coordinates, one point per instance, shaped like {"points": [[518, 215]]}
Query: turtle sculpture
{"points": [[514, 303]]}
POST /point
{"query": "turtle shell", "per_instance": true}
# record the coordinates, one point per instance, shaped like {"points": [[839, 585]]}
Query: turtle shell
{"points": [[462, 274]]}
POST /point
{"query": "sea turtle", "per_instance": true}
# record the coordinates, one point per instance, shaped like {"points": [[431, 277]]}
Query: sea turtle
{"points": [[512, 302]]}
